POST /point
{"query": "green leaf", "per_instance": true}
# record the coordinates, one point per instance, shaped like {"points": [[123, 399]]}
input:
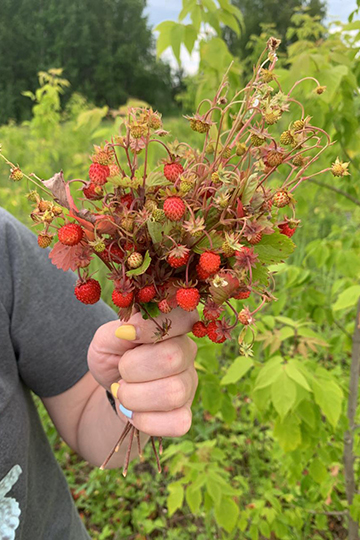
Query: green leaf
{"points": [[176, 497], [213, 490], [283, 394], [204, 244], [190, 37], [347, 298], [274, 248], [306, 411], [227, 513], [297, 376], [227, 409], [211, 394], [249, 188], [164, 39], [196, 17], [317, 471], [193, 498], [261, 274], [328, 395], [238, 368], [230, 21], [210, 5], [176, 39], [155, 230], [288, 433], [187, 7], [269, 373], [142, 269]]}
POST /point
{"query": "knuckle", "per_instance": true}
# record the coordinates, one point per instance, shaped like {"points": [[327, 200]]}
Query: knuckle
{"points": [[174, 355], [176, 393], [185, 421]]}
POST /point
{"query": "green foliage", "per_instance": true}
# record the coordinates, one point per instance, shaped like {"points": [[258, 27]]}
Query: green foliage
{"points": [[106, 49]]}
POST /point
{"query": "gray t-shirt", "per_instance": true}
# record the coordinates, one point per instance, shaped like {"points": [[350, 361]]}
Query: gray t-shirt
{"points": [[44, 336]]}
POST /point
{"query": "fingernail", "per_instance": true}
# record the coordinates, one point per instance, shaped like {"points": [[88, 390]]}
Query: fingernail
{"points": [[126, 331], [114, 389], [126, 412]]}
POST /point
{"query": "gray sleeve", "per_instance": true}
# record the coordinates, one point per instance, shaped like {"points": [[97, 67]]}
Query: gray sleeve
{"points": [[50, 329]]}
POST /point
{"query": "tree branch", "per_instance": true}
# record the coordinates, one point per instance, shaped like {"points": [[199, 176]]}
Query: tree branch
{"points": [[349, 434], [339, 191]]}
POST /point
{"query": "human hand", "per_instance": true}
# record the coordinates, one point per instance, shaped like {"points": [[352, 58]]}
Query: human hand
{"points": [[157, 380]]}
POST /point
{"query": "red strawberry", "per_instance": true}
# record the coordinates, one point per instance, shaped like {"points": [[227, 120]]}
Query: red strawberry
{"points": [[286, 229], [178, 257], [199, 329], [241, 295], [93, 192], [88, 292], [212, 311], [163, 306], [210, 262], [70, 234], [127, 200], [202, 275], [174, 208], [98, 174], [255, 239], [212, 332], [188, 298], [173, 170], [122, 300], [146, 294]]}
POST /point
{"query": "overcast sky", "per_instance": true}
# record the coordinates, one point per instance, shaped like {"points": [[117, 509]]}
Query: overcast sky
{"points": [[162, 10]]}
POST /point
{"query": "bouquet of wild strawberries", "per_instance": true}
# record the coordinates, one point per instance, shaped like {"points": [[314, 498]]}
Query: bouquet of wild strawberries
{"points": [[202, 228]]}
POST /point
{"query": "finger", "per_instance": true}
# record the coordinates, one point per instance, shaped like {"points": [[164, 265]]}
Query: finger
{"points": [[164, 424], [151, 362], [161, 395], [139, 330]]}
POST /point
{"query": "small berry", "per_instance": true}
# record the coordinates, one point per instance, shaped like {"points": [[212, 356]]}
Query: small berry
{"points": [[44, 240], [255, 239], [188, 298], [244, 317], [339, 168], [210, 262], [146, 294], [241, 149], [212, 312], [163, 306], [114, 170], [122, 300], [174, 208], [93, 192], [154, 121], [212, 332], [103, 156], [256, 140], [199, 329], [177, 261], [173, 170], [127, 200], [135, 260], [281, 199], [88, 292], [202, 274], [286, 229], [226, 153], [158, 215], [298, 124], [112, 252], [16, 174], [99, 174], [287, 138], [274, 158], [241, 295], [70, 234]]}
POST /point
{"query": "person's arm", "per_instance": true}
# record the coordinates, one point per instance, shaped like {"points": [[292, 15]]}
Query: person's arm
{"points": [[158, 384]]}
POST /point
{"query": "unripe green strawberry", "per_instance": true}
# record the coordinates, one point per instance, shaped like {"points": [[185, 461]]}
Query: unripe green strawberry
{"points": [[98, 245], [202, 127], [299, 160], [154, 121], [215, 178], [135, 260], [127, 223], [227, 250], [16, 174], [159, 215], [210, 149], [193, 124], [274, 158], [267, 75], [226, 153], [298, 124], [256, 140], [241, 149], [150, 205], [287, 138], [272, 116], [186, 186], [137, 130]]}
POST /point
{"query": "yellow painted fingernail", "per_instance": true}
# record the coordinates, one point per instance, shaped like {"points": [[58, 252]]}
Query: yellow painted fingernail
{"points": [[126, 331], [114, 389]]}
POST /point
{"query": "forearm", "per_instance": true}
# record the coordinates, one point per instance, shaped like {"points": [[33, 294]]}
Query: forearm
{"points": [[98, 431]]}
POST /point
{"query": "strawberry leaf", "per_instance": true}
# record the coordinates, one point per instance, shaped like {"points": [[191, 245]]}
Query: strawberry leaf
{"points": [[274, 248]]}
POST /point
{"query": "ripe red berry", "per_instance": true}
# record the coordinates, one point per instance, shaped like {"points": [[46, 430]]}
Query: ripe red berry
{"points": [[173, 170], [202, 275], [122, 300], [176, 262], [174, 208], [163, 306], [70, 234], [88, 292], [212, 332], [93, 192], [212, 312], [99, 174], [146, 294], [210, 262], [199, 329], [127, 200], [188, 298], [255, 239], [242, 295], [287, 230]]}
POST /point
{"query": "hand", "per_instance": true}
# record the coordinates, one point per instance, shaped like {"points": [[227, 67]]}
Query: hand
{"points": [[157, 380]]}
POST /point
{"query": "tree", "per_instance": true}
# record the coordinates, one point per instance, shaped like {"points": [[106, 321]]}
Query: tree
{"points": [[105, 48], [260, 13]]}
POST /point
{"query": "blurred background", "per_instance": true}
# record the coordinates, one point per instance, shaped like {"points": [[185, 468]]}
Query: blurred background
{"points": [[256, 464]]}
